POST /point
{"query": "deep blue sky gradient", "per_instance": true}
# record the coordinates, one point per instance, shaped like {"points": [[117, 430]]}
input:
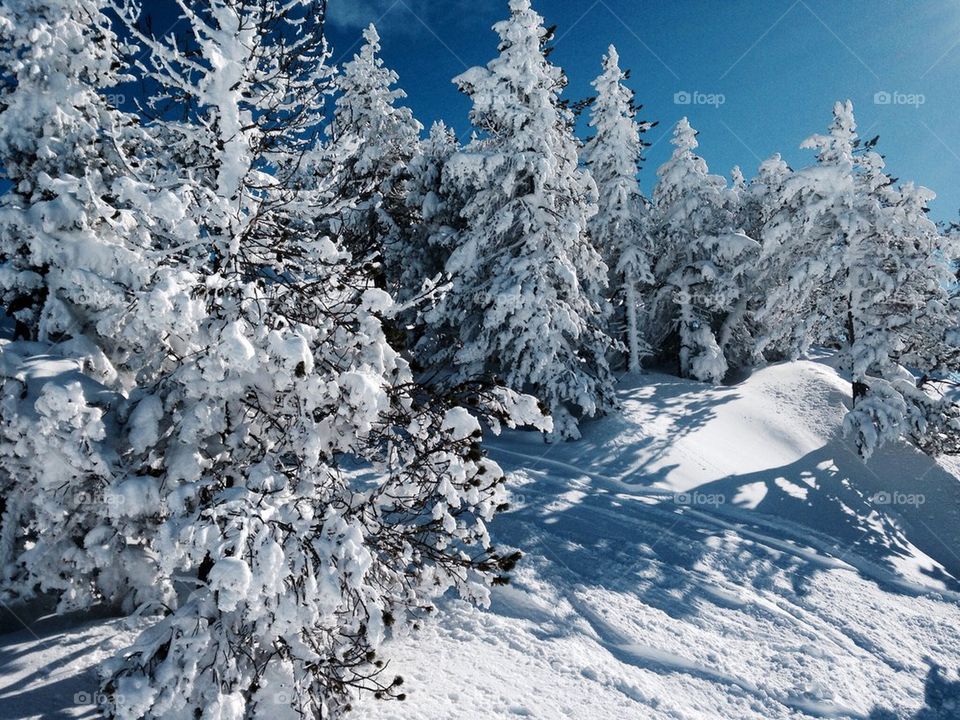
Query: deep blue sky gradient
{"points": [[779, 65]]}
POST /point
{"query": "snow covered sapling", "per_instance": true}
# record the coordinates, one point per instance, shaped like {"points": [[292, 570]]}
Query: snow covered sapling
{"points": [[58, 482], [372, 140], [619, 230], [698, 254], [526, 305], [415, 257]]}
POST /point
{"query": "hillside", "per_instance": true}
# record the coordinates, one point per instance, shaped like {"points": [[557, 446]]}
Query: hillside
{"points": [[712, 552]]}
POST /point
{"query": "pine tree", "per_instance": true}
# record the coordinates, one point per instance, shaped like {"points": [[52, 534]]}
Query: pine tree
{"points": [[901, 322], [415, 257], [699, 253], [525, 304], [80, 270], [757, 209], [803, 253], [619, 230], [853, 263], [77, 225], [372, 141]]}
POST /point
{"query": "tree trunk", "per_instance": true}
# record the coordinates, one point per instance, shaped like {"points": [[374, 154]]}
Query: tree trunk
{"points": [[860, 388], [633, 340]]}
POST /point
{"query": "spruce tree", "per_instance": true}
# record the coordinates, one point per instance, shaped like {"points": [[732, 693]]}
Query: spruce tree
{"points": [[372, 140], [525, 306], [620, 228], [416, 255], [699, 253]]}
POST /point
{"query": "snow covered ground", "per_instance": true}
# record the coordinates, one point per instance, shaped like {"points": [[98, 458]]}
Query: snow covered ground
{"points": [[713, 553]]}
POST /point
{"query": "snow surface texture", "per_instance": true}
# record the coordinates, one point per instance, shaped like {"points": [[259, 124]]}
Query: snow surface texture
{"points": [[663, 578]]}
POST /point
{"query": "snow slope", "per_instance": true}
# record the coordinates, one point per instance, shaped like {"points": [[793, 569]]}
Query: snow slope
{"points": [[713, 553]]}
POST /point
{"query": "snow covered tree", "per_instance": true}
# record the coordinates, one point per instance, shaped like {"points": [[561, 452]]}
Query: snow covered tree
{"points": [[757, 207], [286, 469], [372, 141], [80, 269], [78, 224], [804, 247], [525, 305], [416, 255], [699, 252], [902, 325], [619, 229], [852, 262]]}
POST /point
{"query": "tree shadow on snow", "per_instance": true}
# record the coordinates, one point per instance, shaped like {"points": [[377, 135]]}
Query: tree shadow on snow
{"points": [[941, 700], [875, 516], [49, 691]]}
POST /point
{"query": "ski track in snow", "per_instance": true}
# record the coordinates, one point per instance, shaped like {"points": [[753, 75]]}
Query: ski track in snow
{"points": [[632, 602]]}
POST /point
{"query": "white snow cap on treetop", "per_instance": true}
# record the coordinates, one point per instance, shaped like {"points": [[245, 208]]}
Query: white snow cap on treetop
{"points": [[684, 136], [372, 36], [518, 6], [613, 57]]}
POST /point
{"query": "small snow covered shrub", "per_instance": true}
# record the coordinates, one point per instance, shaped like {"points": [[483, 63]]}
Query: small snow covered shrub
{"points": [[293, 481], [54, 470]]}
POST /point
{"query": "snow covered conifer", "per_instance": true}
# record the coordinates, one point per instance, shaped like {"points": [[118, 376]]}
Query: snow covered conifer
{"points": [[416, 255], [803, 251], [619, 229], [763, 198], [758, 207], [526, 303], [79, 230], [902, 338], [853, 263], [372, 140], [77, 224], [698, 254]]}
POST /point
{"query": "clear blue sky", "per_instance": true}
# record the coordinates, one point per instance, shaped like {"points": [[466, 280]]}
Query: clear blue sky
{"points": [[779, 65]]}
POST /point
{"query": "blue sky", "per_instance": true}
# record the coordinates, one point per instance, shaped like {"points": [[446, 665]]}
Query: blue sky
{"points": [[760, 75]]}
